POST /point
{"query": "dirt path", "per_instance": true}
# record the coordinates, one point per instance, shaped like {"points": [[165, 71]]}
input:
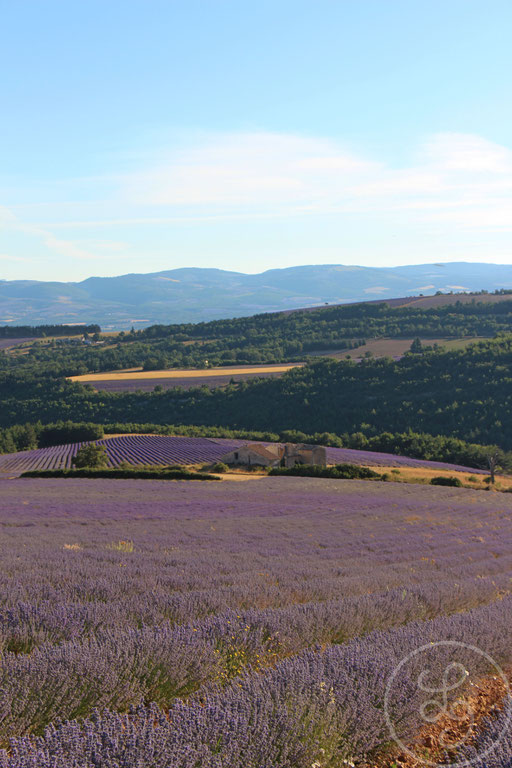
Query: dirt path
{"points": [[485, 701]]}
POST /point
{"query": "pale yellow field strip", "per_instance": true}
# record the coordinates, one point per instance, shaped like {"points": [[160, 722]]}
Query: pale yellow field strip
{"points": [[182, 374], [425, 474]]}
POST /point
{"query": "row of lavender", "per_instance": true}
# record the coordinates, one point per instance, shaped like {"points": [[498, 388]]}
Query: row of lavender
{"points": [[158, 449], [119, 593], [319, 708], [109, 663]]}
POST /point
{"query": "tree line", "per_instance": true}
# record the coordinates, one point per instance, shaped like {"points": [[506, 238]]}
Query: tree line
{"points": [[43, 331]]}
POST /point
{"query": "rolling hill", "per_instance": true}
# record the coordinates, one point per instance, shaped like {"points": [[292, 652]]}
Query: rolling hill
{"points": [[196, 295]]}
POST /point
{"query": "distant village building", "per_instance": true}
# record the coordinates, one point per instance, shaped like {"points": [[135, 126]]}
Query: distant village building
{"points": [[289, 455]]}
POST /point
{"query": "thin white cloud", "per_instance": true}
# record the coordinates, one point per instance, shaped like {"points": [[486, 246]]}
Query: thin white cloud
{"points": [[455, 184], [6, 216], [55, 245], [455, 177], [467, 153]]}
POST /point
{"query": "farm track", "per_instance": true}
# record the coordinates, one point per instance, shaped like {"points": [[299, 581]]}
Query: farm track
{"points": [[486, 702]]}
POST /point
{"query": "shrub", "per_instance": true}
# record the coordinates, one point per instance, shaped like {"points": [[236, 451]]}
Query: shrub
{"points": [[443, 480], [219, 467], [122, 474], [339, 471]]}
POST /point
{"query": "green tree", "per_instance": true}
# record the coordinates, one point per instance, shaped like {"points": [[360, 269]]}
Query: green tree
{"points": [[91, 456]]}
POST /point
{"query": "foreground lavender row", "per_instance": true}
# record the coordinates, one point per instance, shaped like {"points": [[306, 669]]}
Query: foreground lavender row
{"points": [[322, 708], [246, 608], [158, 449]]}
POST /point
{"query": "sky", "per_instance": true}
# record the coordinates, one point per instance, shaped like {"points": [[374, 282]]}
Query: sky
{"points": [[147, 135]]}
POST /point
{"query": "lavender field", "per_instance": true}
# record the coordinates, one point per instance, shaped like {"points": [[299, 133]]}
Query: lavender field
{"points": [[185, 382], [173, 625], [8, 343], [158, 449]]}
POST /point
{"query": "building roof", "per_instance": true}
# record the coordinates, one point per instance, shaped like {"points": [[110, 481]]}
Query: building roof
{"points": [[260, 450]]}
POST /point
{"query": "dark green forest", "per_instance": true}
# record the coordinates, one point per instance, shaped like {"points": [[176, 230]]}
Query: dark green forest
{"points": [[465, 394]]}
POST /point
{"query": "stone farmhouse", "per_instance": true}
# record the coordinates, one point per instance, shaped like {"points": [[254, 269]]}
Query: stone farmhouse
{"points": [[255, 454], [304, 454], [289, 455]]}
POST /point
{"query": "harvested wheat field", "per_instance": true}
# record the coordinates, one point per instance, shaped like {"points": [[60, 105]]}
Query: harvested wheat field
{"points": [[175, 373]]}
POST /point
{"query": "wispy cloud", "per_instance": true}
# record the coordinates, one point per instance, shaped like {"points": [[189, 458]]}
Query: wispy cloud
{"points": [[454, 177], [454, 186], [55, 245]]}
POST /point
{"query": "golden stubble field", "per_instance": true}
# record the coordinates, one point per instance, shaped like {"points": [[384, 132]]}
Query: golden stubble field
{"points": [[175, 373]]}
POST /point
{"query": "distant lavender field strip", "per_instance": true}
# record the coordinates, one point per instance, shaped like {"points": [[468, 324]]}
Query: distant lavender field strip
{"points": [[186, 382], [6, 343], [376, 459], [158, 449]]}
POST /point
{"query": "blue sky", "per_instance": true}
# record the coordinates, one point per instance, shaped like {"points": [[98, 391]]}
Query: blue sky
{"points": [[138, 136]]}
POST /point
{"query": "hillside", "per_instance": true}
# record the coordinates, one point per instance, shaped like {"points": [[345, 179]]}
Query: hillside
{"points": [[194, 295], [270, 338], [462, 393]]}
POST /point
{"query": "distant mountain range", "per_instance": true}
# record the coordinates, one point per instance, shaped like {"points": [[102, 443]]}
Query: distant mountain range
{"points": [[194, 295]]}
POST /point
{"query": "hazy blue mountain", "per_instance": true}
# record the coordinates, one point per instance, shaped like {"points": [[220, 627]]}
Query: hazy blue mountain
{"points": [[193, 295]]}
